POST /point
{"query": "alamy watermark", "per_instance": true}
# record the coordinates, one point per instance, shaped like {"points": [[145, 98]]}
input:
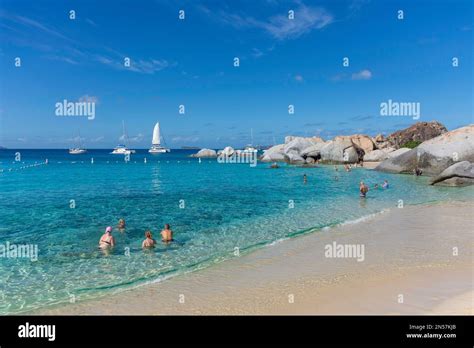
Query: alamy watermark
{"points": [[78, 108], [239, 157], [16, 251], [345, 251], [393, 108]]}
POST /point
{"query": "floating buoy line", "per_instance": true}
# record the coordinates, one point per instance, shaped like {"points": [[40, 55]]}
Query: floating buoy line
{"points": [[92, 161]]}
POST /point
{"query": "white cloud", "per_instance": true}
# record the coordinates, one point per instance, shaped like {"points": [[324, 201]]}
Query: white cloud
{"points": [[362, 75], [75, 139], [280, 26], [62, 59], [133, 139], [91, 22], [256, 53], [299, 78], [141, 66]]}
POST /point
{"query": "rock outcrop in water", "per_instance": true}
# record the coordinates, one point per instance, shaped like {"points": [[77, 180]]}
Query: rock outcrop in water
{"points": [[297, 150], [205, 153], [360, 141], [439, 150], [434, 155], [459, 174]]}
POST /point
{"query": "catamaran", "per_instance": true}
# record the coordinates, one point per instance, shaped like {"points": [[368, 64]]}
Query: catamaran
{"points": [[156, 143], [78, 150], [249, 149], [122, 149]]}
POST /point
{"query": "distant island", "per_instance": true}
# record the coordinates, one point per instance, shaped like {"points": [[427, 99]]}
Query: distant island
{"points": [[190, 148]]}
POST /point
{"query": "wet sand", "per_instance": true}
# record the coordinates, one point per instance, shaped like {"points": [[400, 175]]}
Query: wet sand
{"points": [[410, 266]]}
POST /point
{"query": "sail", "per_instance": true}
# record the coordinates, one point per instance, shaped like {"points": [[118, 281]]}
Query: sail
{"points": [[156, 134]]}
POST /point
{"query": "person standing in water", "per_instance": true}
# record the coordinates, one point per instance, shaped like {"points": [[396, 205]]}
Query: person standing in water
{"points": [[385, 184], [167, 234], [363, 189], [107, 240], [149, 242], [305, 179], [121, 224]]}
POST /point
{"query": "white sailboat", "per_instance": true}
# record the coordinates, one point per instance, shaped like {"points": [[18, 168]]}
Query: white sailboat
{"points": [[249, 149], [156, 141], [78, 150], [122, 149]]}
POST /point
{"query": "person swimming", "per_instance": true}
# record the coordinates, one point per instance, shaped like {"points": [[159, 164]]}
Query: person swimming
{"points": [[363, 189], [385, 184], [335, 168], [107, 240], [167, 234], [121, 224], [376, 186], [305, 178], [149, 242]]}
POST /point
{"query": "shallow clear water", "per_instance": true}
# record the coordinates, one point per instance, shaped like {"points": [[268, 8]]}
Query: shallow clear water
{"points": [[226, 206]]}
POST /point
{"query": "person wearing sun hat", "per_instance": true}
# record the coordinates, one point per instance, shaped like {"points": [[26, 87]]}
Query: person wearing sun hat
{"points": [[107, 240]]}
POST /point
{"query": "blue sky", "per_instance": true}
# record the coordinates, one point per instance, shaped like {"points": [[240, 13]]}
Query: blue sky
{"points": [[190, 62]]}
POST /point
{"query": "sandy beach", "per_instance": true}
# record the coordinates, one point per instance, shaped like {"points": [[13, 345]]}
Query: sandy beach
{"points": [[417, 260]]}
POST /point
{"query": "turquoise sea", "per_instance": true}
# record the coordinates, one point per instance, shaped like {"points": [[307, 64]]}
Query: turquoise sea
{"points": [[212, 208]]}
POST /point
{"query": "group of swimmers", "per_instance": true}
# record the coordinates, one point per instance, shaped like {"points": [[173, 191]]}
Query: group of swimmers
{"points": [[363, 188], [108, 241]]}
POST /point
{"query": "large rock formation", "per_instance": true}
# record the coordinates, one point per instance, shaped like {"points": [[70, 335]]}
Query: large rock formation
{"points": [[360, 141], [297, 144], [294, 158], [439, 153], [420, 132], [341, 151], [203, 153], [404, 163], [295, 150], [459, 174], [313, 151], [434, 155], [378, 155], [228, 151], [398, 152], [274, 154]]}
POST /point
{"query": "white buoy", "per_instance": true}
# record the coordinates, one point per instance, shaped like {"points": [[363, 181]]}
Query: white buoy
{"points": [[92, 160], [199, 160], [144, 160]]}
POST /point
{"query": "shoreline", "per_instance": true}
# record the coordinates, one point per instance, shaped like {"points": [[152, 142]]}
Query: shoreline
{"points": [[410, 253]]}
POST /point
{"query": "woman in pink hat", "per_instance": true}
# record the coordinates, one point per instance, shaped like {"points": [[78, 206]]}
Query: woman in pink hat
{"points": [[107, 240]]}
